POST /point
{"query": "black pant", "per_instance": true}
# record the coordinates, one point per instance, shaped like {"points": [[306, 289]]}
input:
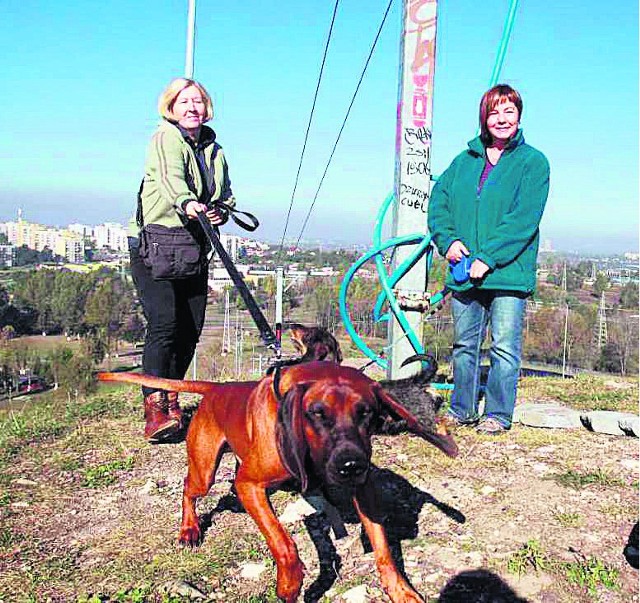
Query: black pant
{"points": [[175, 315]]}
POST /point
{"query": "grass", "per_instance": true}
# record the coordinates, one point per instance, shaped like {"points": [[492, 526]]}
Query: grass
{"points": [[106, 474], [568, 520], [592, 573], [530, 556], [576, 480], [584, 392]]}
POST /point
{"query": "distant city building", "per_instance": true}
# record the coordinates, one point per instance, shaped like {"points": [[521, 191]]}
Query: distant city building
{"points": [[546, 246], [109, 235], [7, 255], [62, 242]]}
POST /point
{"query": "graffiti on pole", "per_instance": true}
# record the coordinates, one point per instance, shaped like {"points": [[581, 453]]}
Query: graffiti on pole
{"points": [[413, 136]]}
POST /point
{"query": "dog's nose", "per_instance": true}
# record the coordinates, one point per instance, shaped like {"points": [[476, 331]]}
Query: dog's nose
{"points": [[350, 468]]}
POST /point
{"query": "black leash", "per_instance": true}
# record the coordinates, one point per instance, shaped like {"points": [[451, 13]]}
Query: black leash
{"points": [[266, 332]]}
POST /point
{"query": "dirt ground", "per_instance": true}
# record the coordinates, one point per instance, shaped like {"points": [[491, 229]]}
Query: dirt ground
{"points": [[91, 513]]}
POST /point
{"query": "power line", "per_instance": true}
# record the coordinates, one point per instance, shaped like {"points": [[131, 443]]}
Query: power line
{"points": [[373, 46], [306, 136]]}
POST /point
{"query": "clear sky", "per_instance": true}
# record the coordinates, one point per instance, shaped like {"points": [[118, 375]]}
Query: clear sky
{"points": [[80, 82]]}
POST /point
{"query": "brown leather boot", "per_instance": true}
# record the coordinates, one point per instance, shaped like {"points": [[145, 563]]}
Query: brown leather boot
{"points": [[173, 408], [158, 423]]}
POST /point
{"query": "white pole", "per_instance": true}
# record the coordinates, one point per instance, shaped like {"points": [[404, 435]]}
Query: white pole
{"points": [[413, 162], [279, 290], [564, 346], [191, 31]]}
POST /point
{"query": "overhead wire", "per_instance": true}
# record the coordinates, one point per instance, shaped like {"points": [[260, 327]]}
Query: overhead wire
{"points": [[306, 136], [364, 70]]}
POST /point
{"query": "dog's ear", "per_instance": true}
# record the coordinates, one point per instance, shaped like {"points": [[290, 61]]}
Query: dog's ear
{"points": [[290, 438], [428, 371], [338, 351], [441, 438]]}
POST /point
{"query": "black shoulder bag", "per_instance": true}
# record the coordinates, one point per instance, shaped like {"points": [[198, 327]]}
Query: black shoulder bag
{"points": [[171, 253]]}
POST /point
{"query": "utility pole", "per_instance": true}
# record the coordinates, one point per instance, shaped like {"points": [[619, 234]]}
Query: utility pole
{"points": [[601, 327], [191, 34], [226, 329], [413, 164], [279, 292]]}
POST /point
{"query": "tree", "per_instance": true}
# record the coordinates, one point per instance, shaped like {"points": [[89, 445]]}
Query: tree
{"points": [[106, 308], [601, 284], [629, 296]]}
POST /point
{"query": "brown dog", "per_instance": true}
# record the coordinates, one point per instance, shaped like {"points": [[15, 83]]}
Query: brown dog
{"points": [[319, 429]]}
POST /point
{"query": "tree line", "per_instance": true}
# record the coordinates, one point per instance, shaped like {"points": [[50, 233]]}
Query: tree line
{"points": [[97, 309]]}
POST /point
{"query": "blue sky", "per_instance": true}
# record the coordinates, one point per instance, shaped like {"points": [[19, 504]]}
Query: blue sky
{"points": [[81, 80]]}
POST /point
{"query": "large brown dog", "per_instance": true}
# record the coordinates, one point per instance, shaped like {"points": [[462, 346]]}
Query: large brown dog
{"points": [[319, 429]]}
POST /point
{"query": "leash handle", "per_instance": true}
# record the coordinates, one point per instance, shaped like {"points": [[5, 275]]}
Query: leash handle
{"points": [[251, 224]]}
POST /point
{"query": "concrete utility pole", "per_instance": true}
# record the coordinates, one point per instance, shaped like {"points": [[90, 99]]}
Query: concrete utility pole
{"points": [[191, 34], [601, 336], [413, 162]]}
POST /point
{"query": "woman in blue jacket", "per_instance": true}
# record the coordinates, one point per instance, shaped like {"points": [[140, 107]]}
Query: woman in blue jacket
{"points": [[487, 207]]}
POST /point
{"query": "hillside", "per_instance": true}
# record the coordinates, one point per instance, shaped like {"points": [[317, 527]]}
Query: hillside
{"points": [[90, 512]]}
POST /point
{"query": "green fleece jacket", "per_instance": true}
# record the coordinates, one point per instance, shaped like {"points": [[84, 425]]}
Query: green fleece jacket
{"points": [[499, 226], [172, 176]]}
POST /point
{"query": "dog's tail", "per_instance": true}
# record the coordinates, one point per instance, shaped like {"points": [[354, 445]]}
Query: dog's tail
{"points": [[172, 385]]}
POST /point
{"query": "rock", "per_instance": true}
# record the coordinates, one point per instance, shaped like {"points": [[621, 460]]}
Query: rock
{"points": [[252, 571], [296, 511], [487, 490], [357, 594], [552, 416], [606, 421], [21, 481], [181, 588], [149, 487]]}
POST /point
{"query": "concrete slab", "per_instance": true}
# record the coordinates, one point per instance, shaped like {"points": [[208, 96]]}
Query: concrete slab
{"points": [[548, 415], [630, 425], [606, 421]]}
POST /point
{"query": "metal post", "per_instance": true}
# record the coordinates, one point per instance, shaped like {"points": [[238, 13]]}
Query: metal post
{"points": [[191, 30], [279, 290], [413, 161], [564, 345]]}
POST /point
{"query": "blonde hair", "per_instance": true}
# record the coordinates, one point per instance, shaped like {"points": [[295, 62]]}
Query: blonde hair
{"points": [[168, 98]]}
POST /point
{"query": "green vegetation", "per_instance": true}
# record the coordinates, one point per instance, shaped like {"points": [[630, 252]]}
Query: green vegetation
{"points": [[530, 556], [568, 520], [576, 480], [103, 475], [592, 573]]}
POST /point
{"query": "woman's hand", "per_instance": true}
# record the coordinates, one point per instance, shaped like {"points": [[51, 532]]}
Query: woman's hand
{"points": [[193, 208], [217, 217], [456, 250], [478, 269]]}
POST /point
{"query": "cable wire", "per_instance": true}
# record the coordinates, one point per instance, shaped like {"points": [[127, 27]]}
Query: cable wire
{"points": [[386, 13], [306, 136]]}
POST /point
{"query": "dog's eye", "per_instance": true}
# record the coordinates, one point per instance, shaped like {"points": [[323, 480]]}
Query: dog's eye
{"points": [[364, 412], [316, 411]]}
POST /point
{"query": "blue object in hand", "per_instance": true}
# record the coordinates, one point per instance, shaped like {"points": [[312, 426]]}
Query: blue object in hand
{"points": [[460, 270]]}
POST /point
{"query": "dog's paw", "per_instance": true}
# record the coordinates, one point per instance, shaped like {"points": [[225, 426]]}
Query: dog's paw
{"points": [[190, 536]]}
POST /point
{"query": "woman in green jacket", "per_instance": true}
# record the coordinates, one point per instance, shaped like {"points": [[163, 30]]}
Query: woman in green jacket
{"points": [[185, 173], [485, 210]]}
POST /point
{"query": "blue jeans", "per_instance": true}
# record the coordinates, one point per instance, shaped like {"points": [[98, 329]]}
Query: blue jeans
{"points": [[473, 311]]}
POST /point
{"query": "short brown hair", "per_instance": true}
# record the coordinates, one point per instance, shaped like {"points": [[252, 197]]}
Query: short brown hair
{"points": [[492, 97], [168, 97]]}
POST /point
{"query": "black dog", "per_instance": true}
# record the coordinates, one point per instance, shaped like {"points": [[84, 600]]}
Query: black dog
{"points": [[413, 394]]}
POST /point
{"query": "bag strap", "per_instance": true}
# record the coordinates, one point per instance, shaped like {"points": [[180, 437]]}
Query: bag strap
{"points": [[139, 216]]}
